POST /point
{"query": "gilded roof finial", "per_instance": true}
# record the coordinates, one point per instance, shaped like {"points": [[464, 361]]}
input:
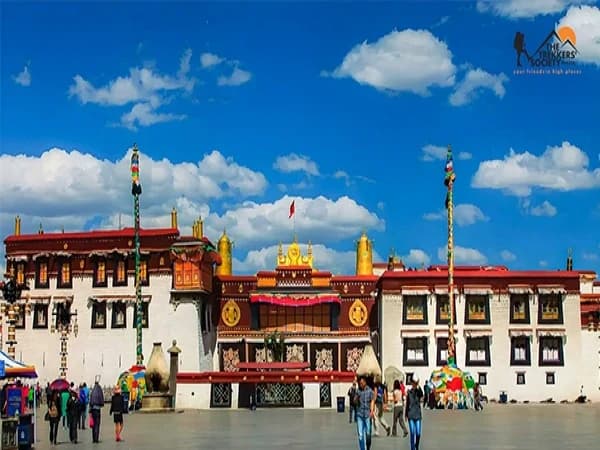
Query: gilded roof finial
{"points": [[309, 248]]}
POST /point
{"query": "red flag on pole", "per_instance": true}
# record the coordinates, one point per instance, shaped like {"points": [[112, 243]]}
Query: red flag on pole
{"points": [[292, 208]]}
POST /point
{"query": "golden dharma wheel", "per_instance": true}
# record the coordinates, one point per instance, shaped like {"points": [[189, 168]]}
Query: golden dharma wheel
{"points": [[358, 314], [231, 314]]}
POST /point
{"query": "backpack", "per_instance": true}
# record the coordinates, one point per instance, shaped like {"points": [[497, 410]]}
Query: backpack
{"points": [[379, 394]]}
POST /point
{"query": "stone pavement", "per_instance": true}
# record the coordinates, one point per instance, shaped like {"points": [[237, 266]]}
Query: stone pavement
{"points": [[499, 427]]}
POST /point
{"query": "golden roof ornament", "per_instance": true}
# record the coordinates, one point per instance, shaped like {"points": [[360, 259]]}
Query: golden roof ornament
{"points": [[294, 256]]}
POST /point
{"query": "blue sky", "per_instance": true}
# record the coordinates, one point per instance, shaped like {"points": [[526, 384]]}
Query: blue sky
{"points": [[240, 108]]}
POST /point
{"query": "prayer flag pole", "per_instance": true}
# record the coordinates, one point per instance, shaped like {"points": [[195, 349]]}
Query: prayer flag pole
{"points": [[136, 191], [449, 182]]}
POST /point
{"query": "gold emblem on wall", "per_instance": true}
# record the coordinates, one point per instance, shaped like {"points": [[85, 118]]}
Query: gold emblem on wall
{"points": [[358, 314], [231, 314]]}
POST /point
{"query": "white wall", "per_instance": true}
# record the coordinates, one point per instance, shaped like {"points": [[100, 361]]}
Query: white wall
{"points": [[108, 352], [193, 396], [590, 352]]}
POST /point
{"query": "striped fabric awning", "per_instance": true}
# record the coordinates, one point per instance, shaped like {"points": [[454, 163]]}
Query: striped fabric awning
{"points": [[16, 369]]}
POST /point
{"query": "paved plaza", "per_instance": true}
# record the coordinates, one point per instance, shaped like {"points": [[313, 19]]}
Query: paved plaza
{"points": [[499, 427]]}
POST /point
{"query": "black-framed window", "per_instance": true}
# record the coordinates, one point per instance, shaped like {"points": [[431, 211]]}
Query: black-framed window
{"points": [[409, 378], [520, 378], [415, 351], [482, 378], [119, 315], [442, 351], [145, 320], [520, 351], [550, 308], [144, 276], [550, 378], [442, 309], [65, 274], [20, 317], [478, 351], [414, 309], [334, 312], [120, 272], [100, 278], [477, 309], [99, 315], [519, 308], [63, 314], [41, 274], [40, 315], [255, 316], [551, 351]]}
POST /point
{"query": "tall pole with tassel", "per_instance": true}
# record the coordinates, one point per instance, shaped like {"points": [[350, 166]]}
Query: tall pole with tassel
{"points": [[136, 191], [449, 182]]}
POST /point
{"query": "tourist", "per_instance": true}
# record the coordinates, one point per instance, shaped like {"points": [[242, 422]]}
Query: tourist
{"points": [[413, 413], [351, 394], [478, 394], [365, 411], [399, 393], [84, 398], [116, 409], [380, 407], [53, 416], [64, 398], [73, 414], [96, 405]]}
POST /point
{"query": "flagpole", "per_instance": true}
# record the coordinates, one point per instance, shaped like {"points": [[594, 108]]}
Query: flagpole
{"points": [[136, 190], [449, 181]]}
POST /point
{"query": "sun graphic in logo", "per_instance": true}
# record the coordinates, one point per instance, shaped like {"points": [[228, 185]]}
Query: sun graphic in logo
{"points": [[567, 34]]}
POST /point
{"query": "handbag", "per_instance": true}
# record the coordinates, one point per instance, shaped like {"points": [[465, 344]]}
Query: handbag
{"points": [[47, 416], [91, 423]]}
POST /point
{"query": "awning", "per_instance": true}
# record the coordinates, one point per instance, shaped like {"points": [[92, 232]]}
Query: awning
{"points": [[443, 290], [294, 300], [518, 332], [551, 289], [558, 332], [40, 255], [62, 299], [520, 289], [20, 258], [39, 300], [444, 333], [414, 333], [477, 333], [478, 290], [415, 290]]}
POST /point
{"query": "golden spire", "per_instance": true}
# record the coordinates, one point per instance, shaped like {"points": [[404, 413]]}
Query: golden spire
{"points": [[224, 247], [570, 260], [200, 228], [364, 255], [309, 251], [18, 226], [174, 218]]}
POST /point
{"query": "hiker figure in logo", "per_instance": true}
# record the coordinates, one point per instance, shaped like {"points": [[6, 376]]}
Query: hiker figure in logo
{"points": [[519, 46]]}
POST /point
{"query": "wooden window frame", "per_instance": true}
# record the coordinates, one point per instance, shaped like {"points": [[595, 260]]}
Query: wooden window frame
{"points": [[405, 301], [415, 363], [96, 283], [20, 319], [514, 341], [441, 345], [439, 320], [522, 298], [145, 280], [38, 271], [115, 277], [21, 272], [102, 307], [542, 299], [561, 348], [37, 309], [487, 361], [486, 309], [116, 306], [59, 279]]}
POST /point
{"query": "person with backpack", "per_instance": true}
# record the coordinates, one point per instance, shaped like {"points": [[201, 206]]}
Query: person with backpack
{"points": [[73, 414], [351, 394], [413, 413], [84, 398], [53, 416], [96, 405], [380, 407]]}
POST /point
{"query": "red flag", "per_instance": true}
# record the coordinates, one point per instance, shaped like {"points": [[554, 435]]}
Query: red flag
{"points": [[292, 208]]}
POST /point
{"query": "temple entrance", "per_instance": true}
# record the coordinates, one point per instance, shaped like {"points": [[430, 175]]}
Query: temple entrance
{"points": [[279, 395], [325, 395]]}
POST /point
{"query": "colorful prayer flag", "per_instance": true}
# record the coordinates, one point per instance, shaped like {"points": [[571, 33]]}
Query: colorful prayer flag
{"points": [[292, 208]]}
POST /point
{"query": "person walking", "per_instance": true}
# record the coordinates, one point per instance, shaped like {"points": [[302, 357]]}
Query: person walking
{"points": [[53, 416], [477, 394], [380, 407], [351, 393], [64, 398], [413, 413], [399, 394], [84, 398], [96, 405], [365, 411], [116, 409], [73, 414]]}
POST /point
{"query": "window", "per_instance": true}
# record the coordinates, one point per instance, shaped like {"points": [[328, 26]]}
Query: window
{"points": [[99, 315], [415, 309], [100, 274], [64, 275], [20, 273], [550, 378], [119, 315], [477, 309], [442, 316], [144, 278], [309, 319], [120, 273], [144, 315], [63, 314], [415, 351], [41, 275], [520, 377], [550, 309], [551, 351], [409, 378], [40, 316], [520, 351], [442, 351], [478, 351], [519, 308], [19, 317], [482, 378]]}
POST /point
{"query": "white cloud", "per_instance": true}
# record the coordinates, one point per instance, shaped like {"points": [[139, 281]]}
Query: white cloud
{"points": [[210, 59], [434, 152], [237, 78], [585, 21], [562, 168], [24, 77], [339, 262], [463, 255], [590, 256], [441, 22], [296, 163], [507, 256], [416, 258], [401, 61], [516, 9], [464, 156], [543, 263], [545, 209], [464, 214], [474, 82], [342, 175], [144, 87]]}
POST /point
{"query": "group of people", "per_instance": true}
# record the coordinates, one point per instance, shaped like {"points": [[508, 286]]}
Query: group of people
{"points": [[72, 406], [368, 401]]}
